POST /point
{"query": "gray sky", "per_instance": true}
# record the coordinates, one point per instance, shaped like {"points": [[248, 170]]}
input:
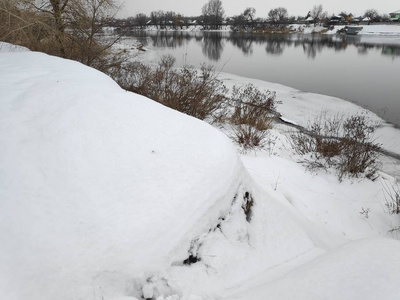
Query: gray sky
{"points": [[235, 7]]}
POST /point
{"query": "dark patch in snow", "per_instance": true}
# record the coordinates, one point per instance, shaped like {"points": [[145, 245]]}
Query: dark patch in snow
{"points": [[191, 260], [234, 199], [247, 205], [218, 226]]}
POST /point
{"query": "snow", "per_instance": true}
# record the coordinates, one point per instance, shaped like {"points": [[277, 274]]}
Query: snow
{"points": [[104, 194], [93, 176], [6, 47], [380, 30], [358, 270], [392, 30]]}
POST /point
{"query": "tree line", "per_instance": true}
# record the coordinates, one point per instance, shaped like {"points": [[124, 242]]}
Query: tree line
{"points": [[213, 17]]}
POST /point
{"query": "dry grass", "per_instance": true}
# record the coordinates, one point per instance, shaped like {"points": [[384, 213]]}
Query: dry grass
{"points": [[200, 94], [197, 93], [344, 144], [70, 31], [392, 197], [253, 114]]}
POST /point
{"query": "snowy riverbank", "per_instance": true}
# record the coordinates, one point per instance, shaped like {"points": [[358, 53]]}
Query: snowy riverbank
{"points": [[107, 195]]}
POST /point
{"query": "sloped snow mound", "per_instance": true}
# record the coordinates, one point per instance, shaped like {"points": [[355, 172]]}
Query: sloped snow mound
{"points": [[366, 269], [98, 184]]}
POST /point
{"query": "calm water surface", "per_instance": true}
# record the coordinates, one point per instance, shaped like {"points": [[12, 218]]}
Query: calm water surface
{"points": [[362, 69]]}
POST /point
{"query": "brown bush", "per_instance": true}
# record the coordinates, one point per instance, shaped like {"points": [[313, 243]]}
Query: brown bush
{"points": [[392, 197], [253, 112], [359, 153], [346, 145], [69, 29], [249, 137], [252, 106], [197, 93]]}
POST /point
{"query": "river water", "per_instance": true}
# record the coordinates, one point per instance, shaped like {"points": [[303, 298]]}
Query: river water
{"points": [[363, 69]]}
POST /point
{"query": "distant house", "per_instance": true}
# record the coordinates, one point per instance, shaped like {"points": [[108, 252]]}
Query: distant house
{"points": [[356, 20], [310, 20], [336, 20], [366, 20], [349, 17], [395, 16]]}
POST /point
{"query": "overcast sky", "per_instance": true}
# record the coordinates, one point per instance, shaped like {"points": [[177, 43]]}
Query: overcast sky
{"points": [[235, 7]]}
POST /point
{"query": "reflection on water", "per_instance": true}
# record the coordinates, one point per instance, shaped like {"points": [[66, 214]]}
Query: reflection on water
{"points": [[212, 43], [355, 68], [391, 50]]}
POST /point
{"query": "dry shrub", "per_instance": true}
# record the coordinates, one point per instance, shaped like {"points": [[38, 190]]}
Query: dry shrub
{"points": [[70, 29], [328, 148], [359, 152], [197, 93], [249, 137], [200, 94], [253, 114], [19, 26], [320, 139], [345, 144], [392, 197], [252, 106]]}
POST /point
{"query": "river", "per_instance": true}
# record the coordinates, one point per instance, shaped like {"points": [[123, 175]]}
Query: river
{"points": [[362, 69]]}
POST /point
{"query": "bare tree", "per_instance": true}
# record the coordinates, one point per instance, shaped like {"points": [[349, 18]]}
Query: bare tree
{"points": [[66, 28], [155, 17], [169, 18], [318, 13], [372, 14], [213, 13], [249, 14], [245, 19], [278, 15], [239, 22], [141, 20], [178, 21]]}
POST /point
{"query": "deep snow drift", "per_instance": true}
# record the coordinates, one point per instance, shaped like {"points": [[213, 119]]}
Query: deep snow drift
{"points": [[96, 181], [105, 194]]}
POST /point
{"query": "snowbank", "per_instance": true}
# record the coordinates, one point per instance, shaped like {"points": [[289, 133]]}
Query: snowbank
{"points": [[98, 185]]}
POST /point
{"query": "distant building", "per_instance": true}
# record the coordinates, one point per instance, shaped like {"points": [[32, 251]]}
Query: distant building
{"points": [[336, 20], [395, 16], [310, 20]]}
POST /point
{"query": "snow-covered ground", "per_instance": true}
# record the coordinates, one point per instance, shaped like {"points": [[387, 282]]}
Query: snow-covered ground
{"points": [[374, 29], [381, 29], [108, 195]]}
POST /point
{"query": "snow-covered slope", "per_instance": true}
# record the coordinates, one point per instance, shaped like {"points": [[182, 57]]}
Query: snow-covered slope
{"points": [[101, 189], [96, 181], [108, 195]]}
